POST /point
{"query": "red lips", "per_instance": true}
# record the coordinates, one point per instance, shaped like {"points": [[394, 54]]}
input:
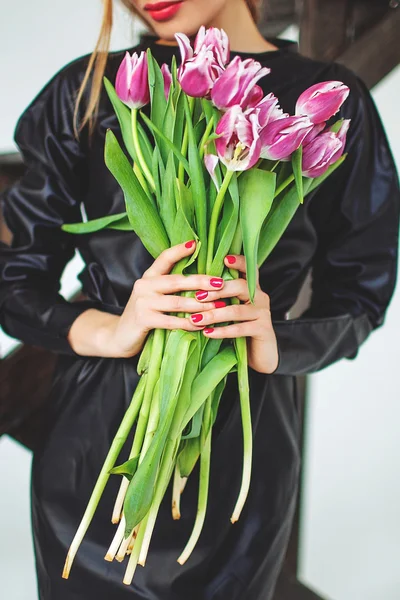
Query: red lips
{"points": [[163, 11]]}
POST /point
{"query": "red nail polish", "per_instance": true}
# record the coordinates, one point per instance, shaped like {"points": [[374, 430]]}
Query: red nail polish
{"points": [[216, 282], [201, 295], [208, 330], [189, 244], [219, 304], [196, 318], [231, 259]]}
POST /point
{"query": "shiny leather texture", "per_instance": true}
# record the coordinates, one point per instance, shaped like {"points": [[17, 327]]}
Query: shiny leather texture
{"points": [[347, 231]]}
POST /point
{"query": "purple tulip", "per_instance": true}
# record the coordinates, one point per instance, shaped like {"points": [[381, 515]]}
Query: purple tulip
{"points": [[167, 79], [237, 84], [216, 40], [268, 110], [238, 146], [321, 101], [280, 138], [198, 71], [131, 83]]}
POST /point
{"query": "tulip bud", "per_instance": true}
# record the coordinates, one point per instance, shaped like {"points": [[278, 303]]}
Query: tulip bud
{"points": [[215, 40], [321, 101], [280, 138], [322, 152], [197, 72], [167, 79], [238, 146], [237, 85], [131, 82]]}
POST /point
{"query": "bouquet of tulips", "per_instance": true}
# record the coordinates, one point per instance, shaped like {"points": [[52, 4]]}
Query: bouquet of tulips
{"points": [[219, 163]]}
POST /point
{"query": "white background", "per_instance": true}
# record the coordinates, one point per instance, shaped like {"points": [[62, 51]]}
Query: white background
{"points": [[351, 528]]}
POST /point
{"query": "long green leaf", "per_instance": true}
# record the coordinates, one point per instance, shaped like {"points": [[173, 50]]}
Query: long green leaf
{"points": [[158, 100], [158, 134], [197, 186], [256, 189], [208, 379], [282, 212], [119, 221], [124, 117], [142, 214]]}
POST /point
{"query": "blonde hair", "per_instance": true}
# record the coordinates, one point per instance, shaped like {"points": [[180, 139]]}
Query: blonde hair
{"points": [[98, 60]]}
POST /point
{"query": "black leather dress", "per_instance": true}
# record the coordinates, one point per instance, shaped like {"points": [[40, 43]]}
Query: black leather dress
{"points": [[348, 232]]}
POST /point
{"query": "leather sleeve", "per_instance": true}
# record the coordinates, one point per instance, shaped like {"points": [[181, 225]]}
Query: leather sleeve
{"points": [[355, 213], [47, 195]]}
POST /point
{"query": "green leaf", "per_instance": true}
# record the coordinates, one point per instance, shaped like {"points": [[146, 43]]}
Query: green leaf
{"points": [[119, 221], [128, 468], [124, 117], [197, 186], [142, 214], [168, 204], [282, 212], [158, 134], [208, 379], [189, 456], [297, 164], [157, 96], [256, 190], [227, 227], [336, 126], [196, 423]]}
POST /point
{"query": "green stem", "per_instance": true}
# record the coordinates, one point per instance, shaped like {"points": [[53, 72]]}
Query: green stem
{"points": [[203, 141], [214, 218], [185, 142], [139, 175], [244, 393], [284, 185], [138, 149], [116, 446], [205, 458]]}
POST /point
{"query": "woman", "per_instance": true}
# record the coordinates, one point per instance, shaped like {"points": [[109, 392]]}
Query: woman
{"points": [[348, 232]]}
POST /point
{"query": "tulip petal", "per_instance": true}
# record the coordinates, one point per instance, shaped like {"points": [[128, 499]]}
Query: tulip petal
{"points": [[184, 47], [211, 161]]}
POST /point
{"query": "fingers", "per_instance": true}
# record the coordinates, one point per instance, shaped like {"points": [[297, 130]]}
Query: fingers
{"points": [[172, 303], [234, 312], [170, 284], [238, 262], [164, 263], [235, 288], [236, 330]]}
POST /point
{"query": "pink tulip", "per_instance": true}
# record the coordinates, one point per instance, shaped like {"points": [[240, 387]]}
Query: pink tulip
{"points": [[321, 101], [237, 85], [216, 40], [313, 133], [198, 71], [131, 82], [167, 79], [280, 138], [268, 110], [238, 146], [320, 153]]}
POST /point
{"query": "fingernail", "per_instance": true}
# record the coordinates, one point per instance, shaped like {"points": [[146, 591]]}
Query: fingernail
{"points": [[219, 304], [216, 282], [208, 330], [189, 244], [231, 259], [201, 295], [196, 318]]}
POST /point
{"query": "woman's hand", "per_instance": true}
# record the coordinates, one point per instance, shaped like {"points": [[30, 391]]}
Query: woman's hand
{"points": [[251, 320], [154, 295]]}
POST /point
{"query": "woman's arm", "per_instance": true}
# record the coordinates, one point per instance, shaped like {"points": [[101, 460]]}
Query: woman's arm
{"points": [[356, 216], [48, 195]]}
